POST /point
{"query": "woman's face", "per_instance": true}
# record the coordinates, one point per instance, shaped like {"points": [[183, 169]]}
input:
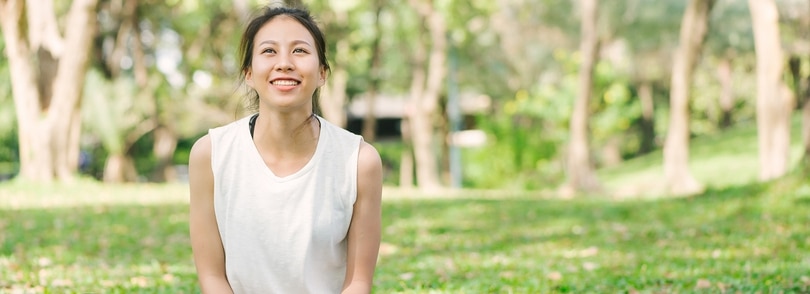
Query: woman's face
{"points": [[285, 71]]}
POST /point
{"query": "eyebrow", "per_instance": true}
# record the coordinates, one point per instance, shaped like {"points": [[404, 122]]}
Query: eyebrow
{"points": [[294, 42]]}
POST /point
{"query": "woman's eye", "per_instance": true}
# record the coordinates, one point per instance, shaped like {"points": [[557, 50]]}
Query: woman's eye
{"points": [[269, 50], [299, 50]]}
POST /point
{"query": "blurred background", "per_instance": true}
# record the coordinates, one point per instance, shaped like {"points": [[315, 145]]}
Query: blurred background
{"points": [[558, 95], [522, 140]]}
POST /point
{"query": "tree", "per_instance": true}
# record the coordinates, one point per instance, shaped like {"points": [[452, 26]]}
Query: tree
{"points": [[112, 111], [333, 96], [375, 68], [47, 80], [774, 99], [731, 45], [429, 70], [694, 26], [580, 172]]}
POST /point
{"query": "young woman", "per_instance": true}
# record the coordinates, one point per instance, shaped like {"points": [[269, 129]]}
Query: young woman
{"points": [[282, 201]]}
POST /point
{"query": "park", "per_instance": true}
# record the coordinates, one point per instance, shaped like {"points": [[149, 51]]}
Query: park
{"points": [[540, 146]]}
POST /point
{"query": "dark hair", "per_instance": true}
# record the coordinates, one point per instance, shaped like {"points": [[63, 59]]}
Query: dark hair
{"points": [[267, 14]]}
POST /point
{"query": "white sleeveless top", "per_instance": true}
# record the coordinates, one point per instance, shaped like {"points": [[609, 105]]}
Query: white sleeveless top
{"points": [[284, 234]]}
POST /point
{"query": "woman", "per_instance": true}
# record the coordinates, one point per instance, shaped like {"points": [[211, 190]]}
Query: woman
{"points": [[282, 201]]}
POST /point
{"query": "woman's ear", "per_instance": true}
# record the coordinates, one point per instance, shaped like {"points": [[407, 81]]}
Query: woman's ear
{"points": [[249, 77], [322, 80]]}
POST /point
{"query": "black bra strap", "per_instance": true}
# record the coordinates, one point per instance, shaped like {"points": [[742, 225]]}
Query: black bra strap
{"points": [[252, 123]]}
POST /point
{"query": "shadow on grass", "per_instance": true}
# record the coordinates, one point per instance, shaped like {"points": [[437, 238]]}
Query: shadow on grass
{"points": [[118, 249]]}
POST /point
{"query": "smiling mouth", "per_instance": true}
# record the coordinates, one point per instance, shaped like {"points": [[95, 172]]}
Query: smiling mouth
{"points": [[285, 83]]}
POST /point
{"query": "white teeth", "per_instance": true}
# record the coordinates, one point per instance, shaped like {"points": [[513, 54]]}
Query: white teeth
{"points": [[285, 83]]}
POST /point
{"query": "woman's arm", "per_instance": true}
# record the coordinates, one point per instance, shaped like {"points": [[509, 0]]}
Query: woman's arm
{"points": [[364, 231], [209, 257]]}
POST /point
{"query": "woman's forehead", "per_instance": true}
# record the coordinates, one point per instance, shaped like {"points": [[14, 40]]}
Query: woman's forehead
{"points": [[284, 29]]}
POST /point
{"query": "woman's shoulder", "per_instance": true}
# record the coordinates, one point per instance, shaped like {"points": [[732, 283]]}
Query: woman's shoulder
{"points": [[200, 151], [368, 160]]}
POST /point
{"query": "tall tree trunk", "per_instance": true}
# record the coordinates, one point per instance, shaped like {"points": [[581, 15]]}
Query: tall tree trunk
{"points": [[73, 147], [645, 94], [163, 148], [724, 74], [332, 104], [47, 79], [425, 89], [370, 119], [128, 127], [694, 25], [242, 10], [774, 102], [794, 67], [804, 97], [119, 168], [406, 160], [581, 176], [806, 127]]}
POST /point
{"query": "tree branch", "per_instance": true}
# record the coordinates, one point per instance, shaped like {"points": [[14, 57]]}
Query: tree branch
{"points": [[43, 31]]}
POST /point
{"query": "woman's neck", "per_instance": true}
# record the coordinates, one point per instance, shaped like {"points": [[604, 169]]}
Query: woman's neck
{"points": [[286, 133]]}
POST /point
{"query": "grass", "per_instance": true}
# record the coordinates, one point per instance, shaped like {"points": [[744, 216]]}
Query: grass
{"points": [[723, 160], [93, 238]]}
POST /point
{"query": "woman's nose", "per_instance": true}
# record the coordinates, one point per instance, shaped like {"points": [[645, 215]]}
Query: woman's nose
{"points": [[284, 63]]}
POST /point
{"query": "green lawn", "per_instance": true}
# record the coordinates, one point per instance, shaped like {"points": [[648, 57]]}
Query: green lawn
{"points": [[718, 161], [93, 238]]}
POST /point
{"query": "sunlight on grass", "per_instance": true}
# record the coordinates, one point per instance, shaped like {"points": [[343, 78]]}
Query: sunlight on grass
{"points": [[94, 238], [718, 161], [20, 195]]}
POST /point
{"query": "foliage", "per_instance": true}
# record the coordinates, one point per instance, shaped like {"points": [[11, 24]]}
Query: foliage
{"points": [[730, 30], [391, 155], [529, 131], [8, 126], [521, 53], [89, 237]]}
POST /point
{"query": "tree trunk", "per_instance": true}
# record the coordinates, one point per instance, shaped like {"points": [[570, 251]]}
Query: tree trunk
{"points": [[581, 176], [794, 67], [47, 80], [612, 152], [645, 94], [724, 74], [425, 90], [164, 146], [406, 161], [370, 119], [332, 105], [774, 102], [694, 26], [806, 132], [805, 98], [806, 137], [119, 168], [73, 147]]}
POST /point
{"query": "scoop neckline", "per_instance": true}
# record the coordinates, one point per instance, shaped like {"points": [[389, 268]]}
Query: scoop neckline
{"points": [[268, 171]]}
